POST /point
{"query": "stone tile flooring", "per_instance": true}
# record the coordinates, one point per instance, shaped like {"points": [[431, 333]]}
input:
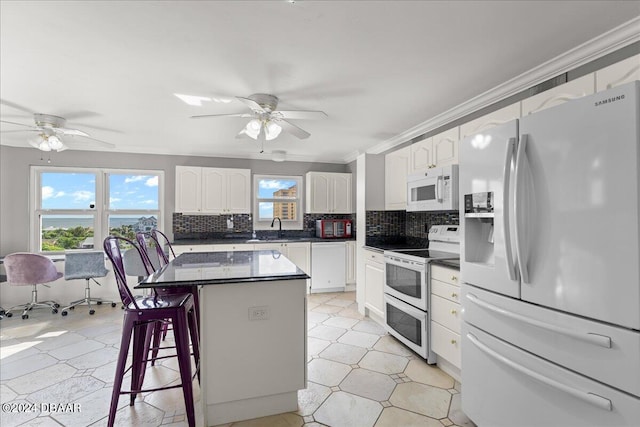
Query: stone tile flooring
{"points": [[358, 375]]}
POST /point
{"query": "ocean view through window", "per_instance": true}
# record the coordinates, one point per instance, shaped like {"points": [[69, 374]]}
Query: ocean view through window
{"points": [[77, 208]]}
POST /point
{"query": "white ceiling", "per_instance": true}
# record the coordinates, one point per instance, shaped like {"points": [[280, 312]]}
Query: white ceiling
{"points": [[377, 68]]}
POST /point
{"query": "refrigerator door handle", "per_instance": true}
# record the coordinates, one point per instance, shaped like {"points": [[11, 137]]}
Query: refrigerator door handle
{"points": [[506, 176], [521, 156], [590, 337], [590, 398]]}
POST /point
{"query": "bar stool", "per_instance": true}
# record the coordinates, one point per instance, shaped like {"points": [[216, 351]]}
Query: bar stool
{"points": [[161, 330], [141, 314]]}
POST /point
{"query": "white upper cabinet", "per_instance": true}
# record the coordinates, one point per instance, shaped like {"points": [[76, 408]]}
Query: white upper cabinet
{"points": [[328, 192], [445, 147], [577, 88], [619, 73], [396, 169], [490, 120], [421, 155], [213, 190], [437, 151]]}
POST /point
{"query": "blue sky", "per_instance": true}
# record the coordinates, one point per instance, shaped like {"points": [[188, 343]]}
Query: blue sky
{"points": [[266, 188], [77, 191]]}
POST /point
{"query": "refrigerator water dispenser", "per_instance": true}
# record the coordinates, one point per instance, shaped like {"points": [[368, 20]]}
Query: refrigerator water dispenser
{"points": [[479, 221]]}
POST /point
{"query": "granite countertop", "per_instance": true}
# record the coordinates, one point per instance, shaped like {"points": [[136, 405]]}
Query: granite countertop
{"points": [[214, 268]]}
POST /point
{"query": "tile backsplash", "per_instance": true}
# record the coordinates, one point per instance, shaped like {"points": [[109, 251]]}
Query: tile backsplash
{"points": [[407, 225], [190, 226]]}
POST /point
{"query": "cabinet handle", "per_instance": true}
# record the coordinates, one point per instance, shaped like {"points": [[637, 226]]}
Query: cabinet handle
{"points": [[454, 342], [454, 278], [454, 295], [454, 312]]}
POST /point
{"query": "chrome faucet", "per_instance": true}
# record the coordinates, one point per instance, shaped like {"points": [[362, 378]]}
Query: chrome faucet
{"points": [[279, 226]]}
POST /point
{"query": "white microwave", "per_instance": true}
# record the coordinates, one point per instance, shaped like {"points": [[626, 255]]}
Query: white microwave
{"points": [[433, 190]]}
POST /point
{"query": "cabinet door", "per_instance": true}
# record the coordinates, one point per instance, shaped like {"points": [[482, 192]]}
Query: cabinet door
{"points": [[445, 147], [300, 255], [351, 262], [318, 189], [188, 189], [421, 156], [238, 191], [233, 247], [214, 191], [341, 197], [490, 120], [574, 89], [619, 73], [395, 177], [374, 287]]}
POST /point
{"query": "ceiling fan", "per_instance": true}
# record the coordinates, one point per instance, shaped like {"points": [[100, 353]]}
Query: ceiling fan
{"points": [[267, 122], [51, 132]]}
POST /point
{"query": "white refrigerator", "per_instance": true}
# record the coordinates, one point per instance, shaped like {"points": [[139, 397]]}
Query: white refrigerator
{"points": [[550, 265]]}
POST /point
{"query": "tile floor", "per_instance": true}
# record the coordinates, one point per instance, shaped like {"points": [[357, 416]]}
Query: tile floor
{"points": [[358, 375]]}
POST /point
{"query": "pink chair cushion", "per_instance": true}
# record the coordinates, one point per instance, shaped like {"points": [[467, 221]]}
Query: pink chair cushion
{"points": [[25, 268]]}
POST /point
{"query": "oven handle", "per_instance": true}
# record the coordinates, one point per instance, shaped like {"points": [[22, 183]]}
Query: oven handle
{"points": [[407, 308], [588, 397], [590, 337], [506, 230]]}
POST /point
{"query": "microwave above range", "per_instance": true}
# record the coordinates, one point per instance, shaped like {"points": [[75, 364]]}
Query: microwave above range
{"points": [[433, 190], [333, 228]]}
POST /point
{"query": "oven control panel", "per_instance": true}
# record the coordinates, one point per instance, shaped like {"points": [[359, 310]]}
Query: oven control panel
{"points": [[444, 233]]}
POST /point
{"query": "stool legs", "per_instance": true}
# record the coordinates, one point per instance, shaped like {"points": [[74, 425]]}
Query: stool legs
{"points": [[128, 326], [180, 323]]}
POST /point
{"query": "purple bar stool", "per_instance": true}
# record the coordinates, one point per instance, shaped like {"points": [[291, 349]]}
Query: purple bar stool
{"points": [[161, 329], [141, 314]]}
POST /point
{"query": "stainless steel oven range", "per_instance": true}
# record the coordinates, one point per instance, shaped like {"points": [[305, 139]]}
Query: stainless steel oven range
{"points": [[406, 288]]}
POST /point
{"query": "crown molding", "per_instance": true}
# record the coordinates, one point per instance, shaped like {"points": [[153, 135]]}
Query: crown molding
{"points": [[595, 48]]}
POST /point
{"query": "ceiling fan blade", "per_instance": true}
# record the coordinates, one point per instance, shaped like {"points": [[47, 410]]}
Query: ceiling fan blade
{"points": [[21, 130], [19, 124], [74, 132], [293, 129], [245, 115], [301, 114], [251, 104], [16, 106]]}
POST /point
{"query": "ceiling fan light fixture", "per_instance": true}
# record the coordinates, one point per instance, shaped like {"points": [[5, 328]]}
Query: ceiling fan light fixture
{"points": [[252, 129], [55, 143], [272, 130]]}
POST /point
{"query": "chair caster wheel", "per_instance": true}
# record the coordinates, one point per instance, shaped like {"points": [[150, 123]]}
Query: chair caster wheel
{"points": [[99, 303], [92, 312], [54, 311], [72, 308], [64, 313], [9, 314], [25, 316], [56, 305], [113, 304], [2, 313]]}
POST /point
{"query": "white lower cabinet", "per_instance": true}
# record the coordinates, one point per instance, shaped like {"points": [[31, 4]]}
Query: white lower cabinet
{"points": [[180, 249], [351, 263], [374, 283], [446, 321], [298, 253]]}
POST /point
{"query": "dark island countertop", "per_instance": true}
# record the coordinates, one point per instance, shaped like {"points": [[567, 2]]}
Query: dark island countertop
{"points": [[215, 268]]}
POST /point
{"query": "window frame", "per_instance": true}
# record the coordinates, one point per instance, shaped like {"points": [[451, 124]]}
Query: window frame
{"points": [[297, 224], [102, 210]]}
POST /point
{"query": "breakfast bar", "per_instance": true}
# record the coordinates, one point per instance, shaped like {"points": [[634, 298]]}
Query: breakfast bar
{"points": [[252, 330]]}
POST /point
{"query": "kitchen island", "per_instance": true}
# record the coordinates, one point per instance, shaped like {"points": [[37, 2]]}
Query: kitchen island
{"points": [[252, 330]]}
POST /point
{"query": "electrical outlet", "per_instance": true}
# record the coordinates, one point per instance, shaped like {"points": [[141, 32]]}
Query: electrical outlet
{"points": [[259, 313]]}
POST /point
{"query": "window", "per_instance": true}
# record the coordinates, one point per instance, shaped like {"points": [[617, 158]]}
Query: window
{"points": [[78, 208], [277, 197]]}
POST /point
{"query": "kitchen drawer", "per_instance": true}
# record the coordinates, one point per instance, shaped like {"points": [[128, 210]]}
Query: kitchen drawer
{"points": [[233, 247], [445, 274], [373, 256], [502, 382], [445, 343], [598, 350], [446, 313], [179, 249], [445, 290]]}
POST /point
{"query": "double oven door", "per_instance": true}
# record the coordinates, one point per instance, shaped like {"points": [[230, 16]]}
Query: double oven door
{"points": [[406, 303], [406, 280]]}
